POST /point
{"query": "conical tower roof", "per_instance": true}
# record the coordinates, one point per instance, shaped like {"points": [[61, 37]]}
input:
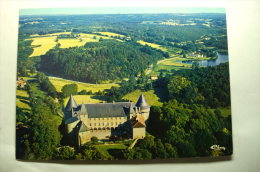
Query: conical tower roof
{"points": [[131, 108], [142, 102], [71, 104], [83, 110]]}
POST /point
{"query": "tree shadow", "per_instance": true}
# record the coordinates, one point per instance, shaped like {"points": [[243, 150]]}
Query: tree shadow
{"points": [[116, 153], [161, 92], [25, 101], [22, 97], [101, 98]]}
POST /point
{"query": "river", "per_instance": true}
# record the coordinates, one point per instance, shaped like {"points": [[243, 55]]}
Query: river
{"points": [[222, 58]]}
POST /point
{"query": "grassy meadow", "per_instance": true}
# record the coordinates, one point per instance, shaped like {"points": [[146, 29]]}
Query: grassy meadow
{"points": [[86, 99], [42, 44], [106, 149], [67, 43], [156, 46], [169, 65], [111, 34], [22, 99], [58, 83], [151, 98]]}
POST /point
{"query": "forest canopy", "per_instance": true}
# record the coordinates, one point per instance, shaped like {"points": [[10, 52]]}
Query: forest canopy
{"points": [[95, 62]]}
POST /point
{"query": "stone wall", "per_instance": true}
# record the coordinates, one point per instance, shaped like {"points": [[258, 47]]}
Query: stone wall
{"points": [[101, 134], [84, 137], [138, 133], [104, 123]]}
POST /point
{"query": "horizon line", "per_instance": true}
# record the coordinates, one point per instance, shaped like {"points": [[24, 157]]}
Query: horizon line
{"points": [[119, 10]]}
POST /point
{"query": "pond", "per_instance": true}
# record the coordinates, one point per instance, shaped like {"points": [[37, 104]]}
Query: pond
{"points": [[222, 58]]}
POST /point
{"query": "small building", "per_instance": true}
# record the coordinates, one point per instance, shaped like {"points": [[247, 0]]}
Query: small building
{"points": [[138, 127], [154, 77], [20, 83], [103, 120], [195, 54]]}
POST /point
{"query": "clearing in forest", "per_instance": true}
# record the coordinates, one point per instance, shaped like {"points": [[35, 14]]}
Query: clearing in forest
{"points": [[42, 44], [156, 46], [22, 99], [93, 36], [58, 83], [107, 150], [67, 43], [85, 99], [112, 34], [151, 98]]}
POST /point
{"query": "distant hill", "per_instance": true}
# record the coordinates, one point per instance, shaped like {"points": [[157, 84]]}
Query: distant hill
{"points": [[99, 61]]}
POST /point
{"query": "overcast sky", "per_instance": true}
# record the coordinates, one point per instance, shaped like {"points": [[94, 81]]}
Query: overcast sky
{"points": [[116, 10]]}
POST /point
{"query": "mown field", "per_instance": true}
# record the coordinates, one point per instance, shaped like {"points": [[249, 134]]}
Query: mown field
{"points": [[156, 46], [52, 34], [167, 65], [108, 149], [58, 83], [22, 99], [93, 36], [151, 98], [111, 34], [67, 43], [86, 99], [43, 43]]}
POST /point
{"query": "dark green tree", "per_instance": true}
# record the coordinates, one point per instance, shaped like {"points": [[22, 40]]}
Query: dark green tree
{"points": [[69, 89]]}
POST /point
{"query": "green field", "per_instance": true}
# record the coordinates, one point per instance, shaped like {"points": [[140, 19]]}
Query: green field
{"points": [[67, 43], [22, 99], [111, 34], [58, 83], [151, 98], [156, 46], [108, 149], [86, 99], [93, 36], [35, 88], [167, 65], [43, 43]]}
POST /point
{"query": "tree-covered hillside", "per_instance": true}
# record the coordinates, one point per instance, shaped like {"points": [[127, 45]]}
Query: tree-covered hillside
{"points": [[95, 62]]}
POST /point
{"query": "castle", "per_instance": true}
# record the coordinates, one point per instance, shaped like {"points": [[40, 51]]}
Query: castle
{"points": [[106, 120]]}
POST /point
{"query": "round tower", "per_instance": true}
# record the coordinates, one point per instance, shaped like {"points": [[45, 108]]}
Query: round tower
{"points": [[143, 107]]}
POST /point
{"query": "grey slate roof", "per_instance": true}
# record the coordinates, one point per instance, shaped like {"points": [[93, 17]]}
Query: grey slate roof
{"points": [[83, 127], [83, 110], [71, 120], [142, 102], [132, 106], [99, 110], [71, 104], [106, 110]]}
